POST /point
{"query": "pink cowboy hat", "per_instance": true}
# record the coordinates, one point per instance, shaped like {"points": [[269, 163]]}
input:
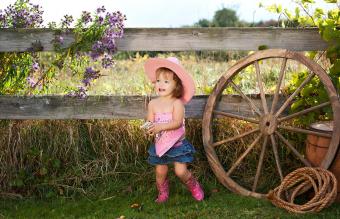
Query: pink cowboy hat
{"points": [[173, 64]]}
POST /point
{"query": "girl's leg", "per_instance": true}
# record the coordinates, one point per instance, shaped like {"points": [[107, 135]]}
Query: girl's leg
{"points": [[162, 183], [187, 178], [161, 173], [182, 171]]}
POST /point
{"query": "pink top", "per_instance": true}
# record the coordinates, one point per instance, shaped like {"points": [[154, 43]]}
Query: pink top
{"points": [[167, 139]]}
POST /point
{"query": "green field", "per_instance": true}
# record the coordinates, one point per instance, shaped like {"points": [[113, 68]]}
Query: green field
{"points": [[117, 203]]}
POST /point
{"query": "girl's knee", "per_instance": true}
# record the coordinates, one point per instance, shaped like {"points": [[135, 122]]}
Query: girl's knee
{"points": [[161, 169], [181, 171]]}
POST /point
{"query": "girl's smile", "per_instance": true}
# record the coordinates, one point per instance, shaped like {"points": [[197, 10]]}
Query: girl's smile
{"points": [[165, 85]]}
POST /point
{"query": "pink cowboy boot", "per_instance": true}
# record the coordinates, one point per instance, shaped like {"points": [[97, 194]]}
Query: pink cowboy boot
{"points": [[163, 191], [195, 188]]}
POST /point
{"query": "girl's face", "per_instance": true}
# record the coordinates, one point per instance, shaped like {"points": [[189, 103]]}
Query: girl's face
{"points": [[165, 85]]}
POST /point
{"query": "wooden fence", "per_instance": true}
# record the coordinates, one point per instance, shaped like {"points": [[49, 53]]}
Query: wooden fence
{"points": [[146, 39]]}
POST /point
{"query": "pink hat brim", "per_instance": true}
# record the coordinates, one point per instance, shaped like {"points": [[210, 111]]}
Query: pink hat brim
{"points": [[152, 64]]}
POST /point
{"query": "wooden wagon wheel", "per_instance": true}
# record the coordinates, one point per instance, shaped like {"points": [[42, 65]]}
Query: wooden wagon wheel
{"points": [[268, 122]]}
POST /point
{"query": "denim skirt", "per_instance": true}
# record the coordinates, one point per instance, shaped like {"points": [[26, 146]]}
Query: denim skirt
{"points": [[182, 153]]}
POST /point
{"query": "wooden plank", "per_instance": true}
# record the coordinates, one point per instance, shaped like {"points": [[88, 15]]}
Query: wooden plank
{"points": [[180, 39], [105, 107]]}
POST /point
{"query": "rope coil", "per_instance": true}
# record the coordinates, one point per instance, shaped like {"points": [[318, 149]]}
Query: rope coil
{"points": [[298, 182]]}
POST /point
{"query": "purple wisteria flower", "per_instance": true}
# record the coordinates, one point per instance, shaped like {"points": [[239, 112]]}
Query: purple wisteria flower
{"points": [[30, 81], [100, 20], [67, 21], [35, 66], [101, 10], [23, 15], [80, 93], [86, 17], [107, 61], [89, 75], [58, 39]]}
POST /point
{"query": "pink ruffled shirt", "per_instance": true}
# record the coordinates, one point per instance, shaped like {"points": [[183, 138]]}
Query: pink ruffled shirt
{"points": [[167, 139]]}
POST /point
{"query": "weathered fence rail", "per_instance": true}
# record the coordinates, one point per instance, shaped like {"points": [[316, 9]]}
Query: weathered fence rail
{"points": [[179, 39], [107, 107], [146, 39]]}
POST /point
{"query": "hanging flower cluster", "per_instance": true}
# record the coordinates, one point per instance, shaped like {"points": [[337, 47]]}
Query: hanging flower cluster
{"points": [[22, 14], [94, 36], [18, 67]]}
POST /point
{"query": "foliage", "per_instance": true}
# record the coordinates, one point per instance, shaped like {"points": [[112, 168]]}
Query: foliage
{"points": [[23, 72], [16, 67], [225, 18], [328, 23]]}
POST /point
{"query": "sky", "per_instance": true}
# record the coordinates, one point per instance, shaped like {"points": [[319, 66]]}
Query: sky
{"points": [[161, 13]]}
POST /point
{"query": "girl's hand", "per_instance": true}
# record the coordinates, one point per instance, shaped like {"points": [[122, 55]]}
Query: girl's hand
{"points": [[154, 129]]}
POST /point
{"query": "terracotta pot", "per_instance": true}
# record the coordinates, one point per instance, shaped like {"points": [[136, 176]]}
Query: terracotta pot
{"points": [[316, 149]]}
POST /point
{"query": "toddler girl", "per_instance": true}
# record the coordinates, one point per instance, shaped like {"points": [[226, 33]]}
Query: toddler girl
{"points": [[174, 87]]}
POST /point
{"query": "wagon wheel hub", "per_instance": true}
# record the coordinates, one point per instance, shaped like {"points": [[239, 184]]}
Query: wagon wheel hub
{"points": [[268, 124]]}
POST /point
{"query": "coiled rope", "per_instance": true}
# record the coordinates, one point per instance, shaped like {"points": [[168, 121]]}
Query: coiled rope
{"points": [[301, 180]]}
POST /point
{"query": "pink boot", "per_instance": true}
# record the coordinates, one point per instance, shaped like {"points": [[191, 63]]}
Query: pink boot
{"points": [[195, 188], [163, 191]]}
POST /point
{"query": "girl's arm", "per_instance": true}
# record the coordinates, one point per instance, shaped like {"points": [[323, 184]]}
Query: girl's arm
{"points": [[150, 115]]}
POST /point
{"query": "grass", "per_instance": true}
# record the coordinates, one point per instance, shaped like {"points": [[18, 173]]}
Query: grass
{"points": [[204, 70], [116, 203]]}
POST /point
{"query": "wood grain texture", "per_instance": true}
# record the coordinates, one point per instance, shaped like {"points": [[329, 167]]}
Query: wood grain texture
{"points": [[105, 107], [179, 39]]}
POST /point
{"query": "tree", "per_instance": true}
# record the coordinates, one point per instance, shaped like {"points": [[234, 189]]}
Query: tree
{"points": [[225, 18], [203, 23]]}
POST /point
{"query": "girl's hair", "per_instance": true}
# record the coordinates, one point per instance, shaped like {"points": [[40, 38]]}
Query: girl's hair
{"points": [[178, 92]]}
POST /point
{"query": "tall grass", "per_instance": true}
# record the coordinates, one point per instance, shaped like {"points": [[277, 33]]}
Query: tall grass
{"points": [[47, 158]]}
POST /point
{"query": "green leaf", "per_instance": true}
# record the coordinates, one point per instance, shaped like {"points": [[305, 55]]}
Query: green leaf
{"points": [[297, 12], [288, 14], [296, 105], [262, 47], [307, 1], [279, 9], [306, 91], [330, 1], [318, 12], [272, 8]]}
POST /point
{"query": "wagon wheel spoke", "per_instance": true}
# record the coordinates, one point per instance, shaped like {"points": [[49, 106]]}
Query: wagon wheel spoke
{"points": [[304, 111], [292, 148], [259, 82], [235, 137], [235, 116], [250, 102], [284, 106], [305, 131], [276, 155], [259, 166], [276, 94], [239, 160]]}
